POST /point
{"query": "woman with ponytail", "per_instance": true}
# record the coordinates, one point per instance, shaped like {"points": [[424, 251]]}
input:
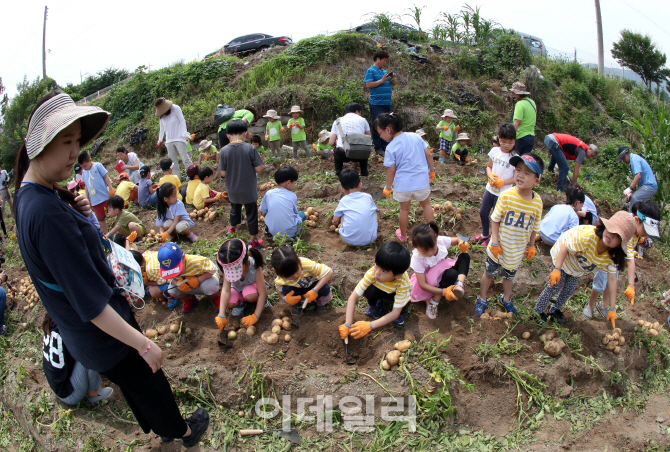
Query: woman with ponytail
{"points": [[98, 326]]}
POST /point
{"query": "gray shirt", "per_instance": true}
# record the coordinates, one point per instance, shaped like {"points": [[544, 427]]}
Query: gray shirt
{"points": [[249, 279], [238, 160]]}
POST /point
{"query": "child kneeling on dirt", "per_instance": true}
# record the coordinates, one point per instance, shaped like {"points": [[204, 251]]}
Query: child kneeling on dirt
{"points": [[208, 151], [356, 210], [460, 149], [516, 222], [189, 275], [171, 216], [435, 276], [155, 286], [562, 217], [280, 206], [242, 282], [126, 189], [579, 251], [386, 280], [126, 222], [299, 277], [203, 195], [323, 147]]}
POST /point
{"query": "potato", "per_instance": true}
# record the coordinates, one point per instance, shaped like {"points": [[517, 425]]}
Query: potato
{"points": [[272, 338], [32, 305], [174, 328], [313, 218], [394, 368], [310, 211], [251, 330], [611, 346], [606, 339], [615, 336], [443, 210], [235, 325], [24, 325], [150, 333], [265, 335], [526, 335], [187, 331], [656, 326], [459, 210], [232, 335], [152, 232], [409, 336], [402, 345], [552, 348], [241, 331], [653, 332], [161, 330], [310, 223], [640, 322], [285, 319], [276, 329], [617, 330], [622, 340], [458, 217], [169, 337], [510, 315], [543, 338], [498, 314], [206, 220], [617, 349], [386, 365], [393, 357], [560, 343], [333, 228], [284, 313], [26, 308], [550, 335], [287, 338], [647, 325], [448, 205], [276, 322], [286, 325]]}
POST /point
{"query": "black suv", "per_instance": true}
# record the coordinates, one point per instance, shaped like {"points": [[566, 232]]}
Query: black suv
{"points": [[257, 41]]}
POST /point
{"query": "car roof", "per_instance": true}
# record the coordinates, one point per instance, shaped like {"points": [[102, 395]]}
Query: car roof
{"points": [[526, 35], [250, 34]]}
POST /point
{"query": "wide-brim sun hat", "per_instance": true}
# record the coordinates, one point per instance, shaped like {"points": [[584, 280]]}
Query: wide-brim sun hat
{"points": [[272, 114], [448, 113], [204, 145], [296, 109], [623, 150], [72, 184], [622, 224], [519, 88], [58, 113], [462, 136], [324, 135], [163, 107], [420, 132]]}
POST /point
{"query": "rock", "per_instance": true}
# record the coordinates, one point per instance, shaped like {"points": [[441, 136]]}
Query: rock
{"points": [[660, 419]]}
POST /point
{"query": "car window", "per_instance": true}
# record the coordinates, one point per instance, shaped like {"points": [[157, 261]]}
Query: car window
{"points": [[535, 44], [255, 37]]}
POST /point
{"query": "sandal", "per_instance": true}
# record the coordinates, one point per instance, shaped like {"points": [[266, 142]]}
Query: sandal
{"points": [[431, 310], [398, 234], [480, 238]]}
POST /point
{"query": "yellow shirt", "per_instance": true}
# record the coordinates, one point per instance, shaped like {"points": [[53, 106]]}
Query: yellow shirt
{"points": [[630, 247], [311, 273], [173, 180], [190, 190], [201, 193], [197, 265], [124, 189], [518, 219], [152, 267], [401, 287], [581, 242]]}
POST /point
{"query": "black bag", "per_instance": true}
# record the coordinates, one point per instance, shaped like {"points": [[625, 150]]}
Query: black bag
{"points": [[356, 145], [222, 114]]}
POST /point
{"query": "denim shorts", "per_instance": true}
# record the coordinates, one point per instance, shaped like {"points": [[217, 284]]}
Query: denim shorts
{"points": [[494, 269], [600, 280]]}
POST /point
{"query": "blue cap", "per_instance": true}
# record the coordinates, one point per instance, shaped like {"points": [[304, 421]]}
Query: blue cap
{"points": [[170, 260], [530, 162]]}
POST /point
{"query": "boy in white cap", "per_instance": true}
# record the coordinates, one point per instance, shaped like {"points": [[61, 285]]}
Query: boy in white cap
{"points": [[323, 147], [208, 151], [460, 149], [273, 132], [297, 126], [447, 130]]}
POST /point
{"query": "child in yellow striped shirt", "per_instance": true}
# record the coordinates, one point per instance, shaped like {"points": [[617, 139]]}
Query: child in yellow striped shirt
{"points": [[299, 278], [387, 280], [582, 250], [515, 225]]}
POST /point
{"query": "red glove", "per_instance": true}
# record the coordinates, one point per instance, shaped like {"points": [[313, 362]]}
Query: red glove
{"points": [[495, 250], [221, 322], [292, 299], [360, 329], [311, 296], [249, 320], [159, 144], [344, 331], [530, 252]]}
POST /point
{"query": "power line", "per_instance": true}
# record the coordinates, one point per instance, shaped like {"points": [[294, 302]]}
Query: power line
{"points": [[643, 15]]}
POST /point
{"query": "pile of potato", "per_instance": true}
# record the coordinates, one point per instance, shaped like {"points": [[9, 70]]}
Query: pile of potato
{"points": [[553, 346], [394, 358], [267, 186], [312, 217], [207, 214], [27, 290], [151, 238], [614, 341], [334, 228], [167, 332], [282, 322], [448, 209], [650, 329], [496, 315]]}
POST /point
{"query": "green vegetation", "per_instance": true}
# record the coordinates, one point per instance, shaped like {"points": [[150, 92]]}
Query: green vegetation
{"points": [[639, 54], [93, 83]]}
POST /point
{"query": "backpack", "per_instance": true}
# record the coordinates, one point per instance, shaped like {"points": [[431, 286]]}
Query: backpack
{"points": [[127, 273], [222, 114]]}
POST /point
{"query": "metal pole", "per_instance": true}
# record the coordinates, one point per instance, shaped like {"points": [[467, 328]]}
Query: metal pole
{"points": [[44, 45], [601, 51]]}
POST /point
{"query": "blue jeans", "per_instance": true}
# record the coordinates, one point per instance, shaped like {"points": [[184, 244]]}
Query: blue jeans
{"points": [[557, 158], [641, 194], [151, 202], [183, 192], [525, 145], [3, 305], [376, 110]]}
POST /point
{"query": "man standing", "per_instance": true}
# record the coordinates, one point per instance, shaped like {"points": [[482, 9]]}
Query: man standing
{"points": [[562, 148], [525, 116], [351, 122], [642, 176], [380, 83]]}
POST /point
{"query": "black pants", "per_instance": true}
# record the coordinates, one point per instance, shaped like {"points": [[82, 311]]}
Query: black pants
{"points": [[148, 395], [588, 219], [375, 295], [461, 267], [376, 110], [340, 157], [223, 138], [462, 153], [252, 216]]}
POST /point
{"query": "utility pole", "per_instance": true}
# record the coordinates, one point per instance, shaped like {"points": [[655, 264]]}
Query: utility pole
{"points": [[44, 45], [601, 51]]}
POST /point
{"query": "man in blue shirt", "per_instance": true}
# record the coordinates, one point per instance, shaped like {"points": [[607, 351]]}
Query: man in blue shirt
{"points": [[642, 175], [380, 83]]}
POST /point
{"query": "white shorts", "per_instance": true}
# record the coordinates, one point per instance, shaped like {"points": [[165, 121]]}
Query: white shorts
{"points": [[181, 226], [404, 196]]}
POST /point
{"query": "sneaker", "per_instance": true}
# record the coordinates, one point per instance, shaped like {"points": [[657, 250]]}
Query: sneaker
{"points": [[398, 234], [508, 305], [172, 302], [539, 319], [374, 310], [480, 238], [2, 330], [256, 244], [199, 421], [480, 306], [441, 160], [485, 242], [431, 310], [588, 311], [558, 316], [400, 320], [165, 439], [192, 237], [267, 303], [103, 393], [189, 305], [231, 230], [458, 290], [601, 310], [238, 311]]}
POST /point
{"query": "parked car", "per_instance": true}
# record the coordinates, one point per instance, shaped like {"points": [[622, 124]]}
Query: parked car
{"points": [[399, 31], [255, 42], [534, 43]]}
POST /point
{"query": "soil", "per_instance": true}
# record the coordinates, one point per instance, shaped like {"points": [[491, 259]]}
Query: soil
{"points": [[312, 363]]}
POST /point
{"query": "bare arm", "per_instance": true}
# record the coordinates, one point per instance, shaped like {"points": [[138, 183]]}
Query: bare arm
{"points": [[495, 228], [611, 289], [378, 82], [517, 123], [562, 254], [258, 169], [322, 282], [336, 220], [262, 293], [390, 175], [333, 139], [575, 173], [636, 180], [631, 271], [533, 237], [108, 182], [351, 307]]}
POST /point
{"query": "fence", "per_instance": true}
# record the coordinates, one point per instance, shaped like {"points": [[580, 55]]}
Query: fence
{"points": [[101, 92]]}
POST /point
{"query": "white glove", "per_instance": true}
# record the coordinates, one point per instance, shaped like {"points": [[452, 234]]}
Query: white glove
{"points": [[628, 193], [187, 136]]}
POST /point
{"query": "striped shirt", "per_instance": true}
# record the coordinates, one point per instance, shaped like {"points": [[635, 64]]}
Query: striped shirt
{"points": [[518, 219], [581, 243], [311, 273], [152, 267], [630, 247], [197, 265], [401, 287]]}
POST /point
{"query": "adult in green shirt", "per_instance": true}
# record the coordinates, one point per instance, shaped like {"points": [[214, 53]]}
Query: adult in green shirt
{"points": [[239, 114], [525, 116]]}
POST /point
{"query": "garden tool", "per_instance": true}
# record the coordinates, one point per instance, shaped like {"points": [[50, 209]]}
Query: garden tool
{"points": [[464, 237], [346, 352], [291, 435], [300, 311]]}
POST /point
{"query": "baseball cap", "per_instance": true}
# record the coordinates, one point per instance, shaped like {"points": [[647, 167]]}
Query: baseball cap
{"points": [[623, 150], [170, 258], [144, 171], [233, 270], [529, 161], [77, 168], [650, 225], [192, 171], [123, 176]]}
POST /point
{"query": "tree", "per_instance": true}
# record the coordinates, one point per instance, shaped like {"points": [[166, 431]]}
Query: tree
{"points": [[639, 54]]}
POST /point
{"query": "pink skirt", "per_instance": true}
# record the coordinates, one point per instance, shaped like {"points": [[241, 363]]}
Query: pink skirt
{"points": [[433, 277]]}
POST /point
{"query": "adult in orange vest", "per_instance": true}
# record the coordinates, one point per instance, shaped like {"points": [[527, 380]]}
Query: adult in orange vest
{"points": [[562, 148]]}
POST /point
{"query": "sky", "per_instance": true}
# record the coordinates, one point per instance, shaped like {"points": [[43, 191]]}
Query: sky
{"points": [[84, 37]]}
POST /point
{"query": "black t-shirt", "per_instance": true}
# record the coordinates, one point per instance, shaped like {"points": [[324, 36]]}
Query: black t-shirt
{"points": [[60, 246], [58, 363]]}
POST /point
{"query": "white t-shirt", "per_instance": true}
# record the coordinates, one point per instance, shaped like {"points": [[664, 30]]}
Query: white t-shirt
{"points": [[350, 123], [502, 168], [406, 152], [589, 206], [421, 264]]}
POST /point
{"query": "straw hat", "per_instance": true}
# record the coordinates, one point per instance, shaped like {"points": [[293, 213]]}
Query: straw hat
{"points": [[519, 88], [420, 132], [324, 135], [448, 112], [163, 107], [296, 109], [272, 114], [462, 136], [55, 115], [204, 145], [622, 224]]}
